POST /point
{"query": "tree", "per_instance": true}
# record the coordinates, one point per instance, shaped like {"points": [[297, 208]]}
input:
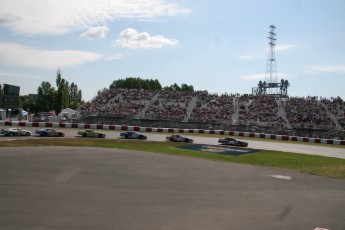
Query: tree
{"points": [[28, 103], [136, 83], [46, 96], [187, 88], [65, 96], [75, 96], [68, 95], [62, 96], [183, 87]]}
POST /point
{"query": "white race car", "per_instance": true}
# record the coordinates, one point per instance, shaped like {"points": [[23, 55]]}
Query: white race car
{"points": [[15, 132]]}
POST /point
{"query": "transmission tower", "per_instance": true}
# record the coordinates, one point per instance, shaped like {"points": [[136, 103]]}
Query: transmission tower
{"points": [[271, 70], [271, 86]]}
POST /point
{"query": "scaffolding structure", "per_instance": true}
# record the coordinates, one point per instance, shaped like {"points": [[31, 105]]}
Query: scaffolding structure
{"points": [[271, 68], [271, 86]]}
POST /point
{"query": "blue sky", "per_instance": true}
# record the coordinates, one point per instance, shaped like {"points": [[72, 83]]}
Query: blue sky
{"points": [[219, 46]]}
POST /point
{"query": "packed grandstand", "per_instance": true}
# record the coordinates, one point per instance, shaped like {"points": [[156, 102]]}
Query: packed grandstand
{"points": [[310, 115]]}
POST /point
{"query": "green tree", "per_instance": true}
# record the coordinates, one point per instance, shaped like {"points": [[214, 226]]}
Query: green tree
{"points": [[28, 103], [187, 88], [183, 87], [155, 85], [68, 95], [136, 83], [65, 96], [45, 96], [75, 96], [62, 95]]}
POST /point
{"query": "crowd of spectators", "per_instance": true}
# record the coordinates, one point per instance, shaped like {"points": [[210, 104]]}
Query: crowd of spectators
{"points": [[130, 103], [138, 95], [265, 109], [163, 111], [95, 106], [261, 109], [337, 107], [176, 96], [211, 107], [341, 119], [170, 105], [128, 109], [307, 113], [243, 102], [303, 112]]}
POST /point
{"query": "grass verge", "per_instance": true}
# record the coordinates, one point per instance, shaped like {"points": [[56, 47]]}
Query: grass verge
{"points": [[317, 165]]}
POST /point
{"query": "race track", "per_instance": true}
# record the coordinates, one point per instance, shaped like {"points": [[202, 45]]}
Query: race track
{"points": [[103, 188], [315, 149]]}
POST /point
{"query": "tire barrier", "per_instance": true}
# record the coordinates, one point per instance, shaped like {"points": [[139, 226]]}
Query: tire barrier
{"points": [[172, 130]]}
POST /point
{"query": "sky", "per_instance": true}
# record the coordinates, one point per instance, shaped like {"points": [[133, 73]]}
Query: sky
{"points": [[219, 46]]}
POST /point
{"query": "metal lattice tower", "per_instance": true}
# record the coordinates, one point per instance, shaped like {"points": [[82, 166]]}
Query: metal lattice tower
{"points": [[271, 70]]}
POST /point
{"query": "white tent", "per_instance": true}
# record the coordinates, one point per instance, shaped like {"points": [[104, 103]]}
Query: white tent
{"points": [[68, 114], [2, 114]]}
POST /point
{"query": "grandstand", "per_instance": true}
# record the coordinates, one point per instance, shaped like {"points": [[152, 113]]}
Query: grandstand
{"points": [[302, 116]]}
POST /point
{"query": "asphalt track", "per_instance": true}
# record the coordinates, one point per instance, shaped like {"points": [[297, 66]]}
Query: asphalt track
{"points": [[315, 149], [103, 188]]}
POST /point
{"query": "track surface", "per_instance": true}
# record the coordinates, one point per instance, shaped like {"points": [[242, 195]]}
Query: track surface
{"points": [[100, 188], [256, 144]]}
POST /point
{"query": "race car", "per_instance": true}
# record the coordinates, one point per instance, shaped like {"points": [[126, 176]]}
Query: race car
{"points": [[39, 131], [232, 141], [50, 133], [133, 135], [179, 138], [91, 133], [15, 132]]}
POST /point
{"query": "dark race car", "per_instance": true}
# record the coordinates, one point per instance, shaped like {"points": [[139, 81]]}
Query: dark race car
{"points": [[51, 133], [133, 135], [232, 141], [179, 138], [39, 131]]}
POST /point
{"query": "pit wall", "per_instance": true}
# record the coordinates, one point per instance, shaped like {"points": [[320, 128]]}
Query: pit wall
{"points": [[172, 130]]}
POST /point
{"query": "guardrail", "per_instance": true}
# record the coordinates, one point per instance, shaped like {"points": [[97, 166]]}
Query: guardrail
{"points": [[172, 130]]}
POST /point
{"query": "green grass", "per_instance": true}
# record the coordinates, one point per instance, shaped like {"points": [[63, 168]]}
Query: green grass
{"points": [[317, 165]]}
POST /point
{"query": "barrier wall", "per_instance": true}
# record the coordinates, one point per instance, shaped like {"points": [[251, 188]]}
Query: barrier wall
{"points": [[172, 130]]}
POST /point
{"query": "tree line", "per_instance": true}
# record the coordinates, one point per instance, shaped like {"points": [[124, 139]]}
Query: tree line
{"points": [[49, 98], [138, 83]]}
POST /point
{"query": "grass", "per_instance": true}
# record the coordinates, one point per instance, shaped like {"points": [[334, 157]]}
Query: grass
{"points": [[317, 165]]}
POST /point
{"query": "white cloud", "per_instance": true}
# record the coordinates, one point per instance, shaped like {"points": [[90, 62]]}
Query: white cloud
{"points": [[19, 75], [261, 76], [254, 77], [263, 52], [284, 47], [130, 38], [20, 55], [248, 57], [95, 32], [62, 16], [328, 68], [114, 57]]}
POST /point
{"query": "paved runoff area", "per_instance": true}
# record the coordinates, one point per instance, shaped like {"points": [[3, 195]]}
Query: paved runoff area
{"points": [[104, 188]]}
